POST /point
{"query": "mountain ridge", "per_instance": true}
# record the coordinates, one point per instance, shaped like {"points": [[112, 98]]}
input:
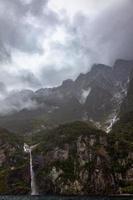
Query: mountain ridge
{"points": [[95, 96], [75, 157]]}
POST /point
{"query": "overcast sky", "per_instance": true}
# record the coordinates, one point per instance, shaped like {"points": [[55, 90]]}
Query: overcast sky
{"points": [[43, 42]]}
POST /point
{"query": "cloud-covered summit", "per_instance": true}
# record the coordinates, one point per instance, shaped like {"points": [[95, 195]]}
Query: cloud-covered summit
{"points": [[43, 42]]}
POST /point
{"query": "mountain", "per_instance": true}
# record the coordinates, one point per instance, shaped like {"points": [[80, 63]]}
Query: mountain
{"points": [[120, 143], [127, 104], [75, 161], [14, 175], [95, 96], [74, 158], [86, 160], [77, 158]]}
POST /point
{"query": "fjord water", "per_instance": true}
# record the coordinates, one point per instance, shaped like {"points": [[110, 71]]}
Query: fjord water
{"points": [[63, 198]]}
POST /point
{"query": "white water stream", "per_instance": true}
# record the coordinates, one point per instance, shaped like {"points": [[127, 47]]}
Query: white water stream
{"points": [[28, 149]]}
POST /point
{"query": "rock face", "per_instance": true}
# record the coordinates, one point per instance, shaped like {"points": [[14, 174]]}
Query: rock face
{"points": [[77, 159], [74, 158], [120, 142], [13, 169], [127, 105], [96, 96], [75, 162]]}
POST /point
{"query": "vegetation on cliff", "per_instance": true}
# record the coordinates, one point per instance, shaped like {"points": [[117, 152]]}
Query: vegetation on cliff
{"points": [[13, 164]]}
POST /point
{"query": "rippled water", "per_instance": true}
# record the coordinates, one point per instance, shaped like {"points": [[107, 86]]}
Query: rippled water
{"points": [[63, 198]]}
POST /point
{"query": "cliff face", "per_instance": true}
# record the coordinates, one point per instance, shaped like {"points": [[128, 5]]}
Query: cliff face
{"points": [[72, 159], [13, 168], [120, 143], [77, 159], [96, 96], [120, 146]]}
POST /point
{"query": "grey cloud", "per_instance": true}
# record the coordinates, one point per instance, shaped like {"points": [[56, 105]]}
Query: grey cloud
{"points": [[5, 55], [103, 39], [14, 30], [109, 36], [17, 101], [16, 33], [36, 7], [50, 76], [21, 79], [29, 78], [3, 89]]}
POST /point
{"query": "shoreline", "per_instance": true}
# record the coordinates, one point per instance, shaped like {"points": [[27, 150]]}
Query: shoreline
{"points": [[58, 195]]}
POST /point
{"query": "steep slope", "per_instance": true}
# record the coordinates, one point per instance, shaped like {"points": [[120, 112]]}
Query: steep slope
{"points": [[108, 91], [127, 105], [120, 144], [95, 96], [74, 160], [14, 178]]}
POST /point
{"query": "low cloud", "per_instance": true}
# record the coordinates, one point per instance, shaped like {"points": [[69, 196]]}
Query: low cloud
{"points": [[40, 45], [17, 101], [91, 39]]}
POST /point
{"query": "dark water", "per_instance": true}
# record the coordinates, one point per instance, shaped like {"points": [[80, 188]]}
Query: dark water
{"points": [[63, 198]]}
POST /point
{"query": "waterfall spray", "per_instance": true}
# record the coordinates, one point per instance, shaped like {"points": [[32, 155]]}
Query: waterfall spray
{"points": [[28, 149]]}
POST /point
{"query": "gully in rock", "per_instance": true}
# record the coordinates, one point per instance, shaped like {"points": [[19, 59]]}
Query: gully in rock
{"points": [[29, 149]]}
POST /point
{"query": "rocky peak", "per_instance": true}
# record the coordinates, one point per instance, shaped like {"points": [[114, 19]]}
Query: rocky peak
{"points": [[98, 93], [120, 63], [122, 69], [68, 83], [100, 68], [43, 92]]}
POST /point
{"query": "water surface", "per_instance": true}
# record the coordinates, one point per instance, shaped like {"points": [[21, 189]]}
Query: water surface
{"points": [[63, 198]]}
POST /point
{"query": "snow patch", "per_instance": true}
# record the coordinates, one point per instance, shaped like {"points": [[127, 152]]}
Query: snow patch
{"points": [[84, 95]]}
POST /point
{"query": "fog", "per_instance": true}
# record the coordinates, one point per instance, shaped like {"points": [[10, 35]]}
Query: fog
{"points": [[45, 42]]}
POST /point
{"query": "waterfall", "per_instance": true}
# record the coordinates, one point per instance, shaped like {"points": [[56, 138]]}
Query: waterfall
{"points": [[29, 149], [32, 176]]}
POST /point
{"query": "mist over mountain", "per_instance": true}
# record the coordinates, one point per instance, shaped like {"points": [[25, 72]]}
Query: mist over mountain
{"points": [[70, 156], [42, 45], [66, 97], [95, 96]]}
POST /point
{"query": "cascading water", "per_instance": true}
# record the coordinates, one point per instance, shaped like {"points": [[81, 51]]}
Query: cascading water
{"points": [[32, 174], [29, 149]]}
